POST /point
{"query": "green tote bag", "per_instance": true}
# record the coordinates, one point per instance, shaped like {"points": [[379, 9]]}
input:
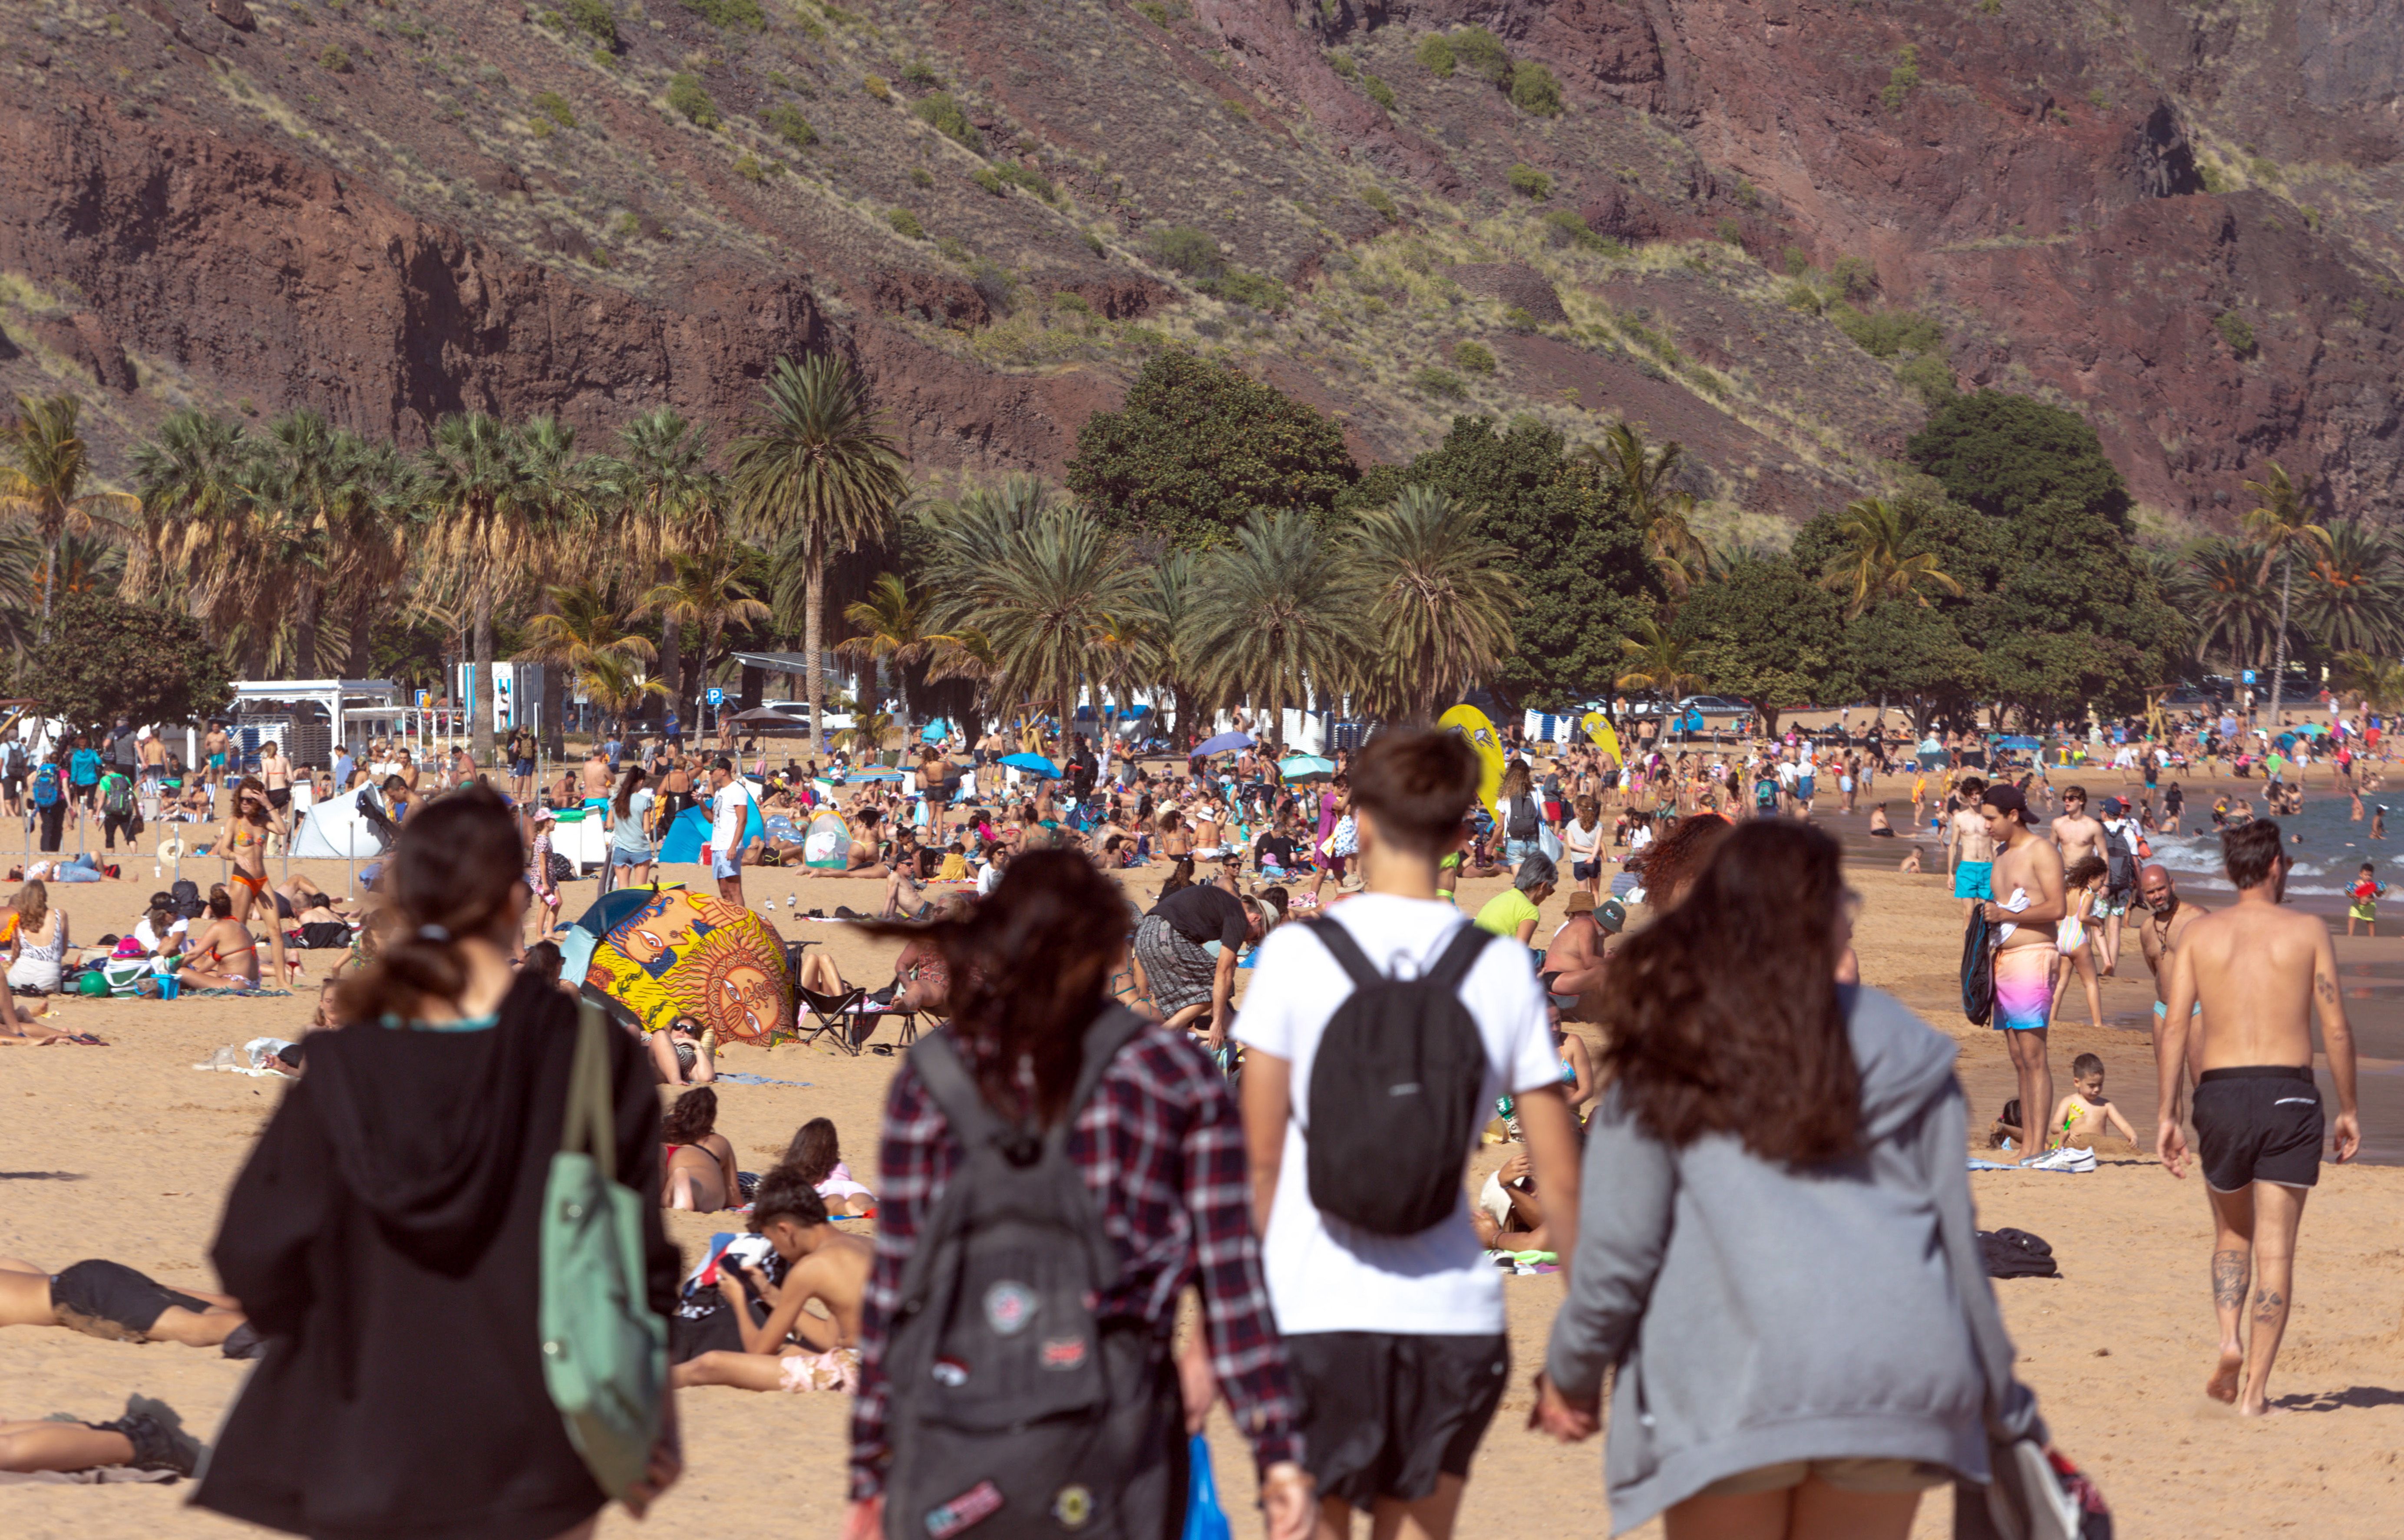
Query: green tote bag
{"points": [[605, 1354]]}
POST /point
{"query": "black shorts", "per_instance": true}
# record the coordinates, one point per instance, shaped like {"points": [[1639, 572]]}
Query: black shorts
{"points": [[2261, 1123], [1384, 1415], [279, 796], [110, 1299]]}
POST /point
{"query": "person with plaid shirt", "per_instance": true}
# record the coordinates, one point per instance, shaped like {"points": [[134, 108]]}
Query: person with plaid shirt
{"points": [[1160, 1147]]}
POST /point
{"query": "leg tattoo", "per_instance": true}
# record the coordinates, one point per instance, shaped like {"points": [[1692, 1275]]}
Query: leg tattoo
{"points": [[2229, 1270]]}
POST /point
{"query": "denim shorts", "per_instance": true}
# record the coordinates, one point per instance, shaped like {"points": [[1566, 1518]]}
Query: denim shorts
{"points": [[1516, 850]]}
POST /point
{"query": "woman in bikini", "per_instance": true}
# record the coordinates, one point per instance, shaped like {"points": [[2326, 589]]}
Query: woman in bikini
{"points": [[225, 955], [242, 842], [697, 1163]]}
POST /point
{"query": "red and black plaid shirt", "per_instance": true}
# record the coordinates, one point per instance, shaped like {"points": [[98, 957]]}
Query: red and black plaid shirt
{"points": [[1160, 1148]]}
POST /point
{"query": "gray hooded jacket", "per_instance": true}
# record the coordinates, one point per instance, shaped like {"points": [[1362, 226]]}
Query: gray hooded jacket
{"points": [[1759, 1313]]}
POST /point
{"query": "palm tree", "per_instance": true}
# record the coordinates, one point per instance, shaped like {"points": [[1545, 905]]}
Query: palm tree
{"points": [[191, 481], [1874, 566], [2380, 681], [816, 475], [483, 536], [1167, 612], [2217, 586], [1656, 661], [1439, 596], [666, 501], [308, 473], [42, 467], [611, 682], [1276, 616], [581, 625], [2281, 522], [1054, 588], [373, 534], [893, 626], [1643, 478], [2353, 592], [704, 592]]}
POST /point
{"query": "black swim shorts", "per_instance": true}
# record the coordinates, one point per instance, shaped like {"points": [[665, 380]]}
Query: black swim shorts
{"points": [[110, 1299], [1385, 1414], [2259, 1123]]}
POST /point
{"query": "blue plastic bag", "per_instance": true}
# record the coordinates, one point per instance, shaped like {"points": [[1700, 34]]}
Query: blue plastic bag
{"points": [[1204, 1519]]}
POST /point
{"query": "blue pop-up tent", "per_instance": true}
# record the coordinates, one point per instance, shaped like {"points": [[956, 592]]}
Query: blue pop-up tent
{"points": [[681, 844]]}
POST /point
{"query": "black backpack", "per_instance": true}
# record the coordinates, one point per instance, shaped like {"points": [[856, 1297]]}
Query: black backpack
{"points": [[1394, 1090], [2015, 1253], [184, 899], [2119, 863], [1523, 816], [1014, 1409]]}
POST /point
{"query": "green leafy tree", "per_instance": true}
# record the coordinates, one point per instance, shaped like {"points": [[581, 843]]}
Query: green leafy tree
{"points": [[1276, 618], [1765, 630], [1197, 447], [2004, 454], [1658, 659], [1875, 565], [44, 467], [1439, 599], [106, 659], [1912, 654], [1577, 550], [2076, 621]]}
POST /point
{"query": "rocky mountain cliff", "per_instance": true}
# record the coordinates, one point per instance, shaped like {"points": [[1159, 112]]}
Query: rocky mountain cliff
{"points": [[1771, 229]]}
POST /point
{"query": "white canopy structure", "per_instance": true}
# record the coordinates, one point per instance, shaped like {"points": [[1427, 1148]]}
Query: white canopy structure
{"points": [[336, 830]]}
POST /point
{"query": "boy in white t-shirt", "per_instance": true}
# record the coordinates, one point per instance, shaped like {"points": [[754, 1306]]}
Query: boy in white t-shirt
{"points": [[1397, 1342]]}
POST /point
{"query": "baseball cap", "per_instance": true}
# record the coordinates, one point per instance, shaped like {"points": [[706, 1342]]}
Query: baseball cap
{"points": [[2004, 799], [2113, 807], [1612, 916], [1580, 903]]}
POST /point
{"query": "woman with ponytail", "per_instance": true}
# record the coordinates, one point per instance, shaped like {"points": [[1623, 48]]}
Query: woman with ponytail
{"points": [[385, 1233]]}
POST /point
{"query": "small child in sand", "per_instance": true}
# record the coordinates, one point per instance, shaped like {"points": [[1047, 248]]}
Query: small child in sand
{"points": [[2366, 893], [2083, 1114], [1910, 863], [822, 1263]]}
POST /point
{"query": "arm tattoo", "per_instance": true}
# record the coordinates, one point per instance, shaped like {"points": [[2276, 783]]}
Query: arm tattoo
{"points": [[2229, 1270], [2326, 989]]}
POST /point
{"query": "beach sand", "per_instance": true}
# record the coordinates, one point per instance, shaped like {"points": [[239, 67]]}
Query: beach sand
{"points": [[125, 1152]]}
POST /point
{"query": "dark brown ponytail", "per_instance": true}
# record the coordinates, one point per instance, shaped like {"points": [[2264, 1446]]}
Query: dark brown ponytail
{"points": [[449, 875]]}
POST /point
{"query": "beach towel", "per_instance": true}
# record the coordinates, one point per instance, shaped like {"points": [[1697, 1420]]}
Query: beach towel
{"points": [[724, 1076]]}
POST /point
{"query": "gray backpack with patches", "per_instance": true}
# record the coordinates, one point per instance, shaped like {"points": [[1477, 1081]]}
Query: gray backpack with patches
{"points": [[1013, 1411]]}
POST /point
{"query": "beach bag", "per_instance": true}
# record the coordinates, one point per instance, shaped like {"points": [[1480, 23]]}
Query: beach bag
{"points": [[46, 786], [1394, 1091], [1013, 1411], [2120, 864], [1204, 1519], [1550, 843], [2015, 1253], [1977, 969], [605, 1357]]}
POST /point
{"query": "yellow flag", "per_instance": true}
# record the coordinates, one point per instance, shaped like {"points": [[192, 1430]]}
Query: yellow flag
{"points": [[1599, 728], [1471, 723]]}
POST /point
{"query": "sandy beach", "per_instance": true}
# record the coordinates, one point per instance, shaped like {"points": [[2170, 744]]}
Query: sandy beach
{"points": [[124, 1152]]}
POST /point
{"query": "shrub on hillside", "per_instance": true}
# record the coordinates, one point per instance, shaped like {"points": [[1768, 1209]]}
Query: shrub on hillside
{"points": [[786, 123], [2236, 331], [1435, 55], [1182, 248], [687, 95], [1443, 384], [1473, 357], [1378, 197], [728, 14], [1534, 90], [1528, 180], [594, 18], [1884, 333], [905, 224], [1484, 52], [553, 105], [1380, 92], [942, 112]]}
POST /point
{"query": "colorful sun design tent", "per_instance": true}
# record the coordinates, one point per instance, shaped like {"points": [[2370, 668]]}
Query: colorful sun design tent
{"points": [[657, 953]]}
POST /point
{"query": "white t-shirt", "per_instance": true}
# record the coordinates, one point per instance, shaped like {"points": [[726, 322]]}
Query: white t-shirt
{"points": [[1323, 1275], [1580, 840], [729, 807]]}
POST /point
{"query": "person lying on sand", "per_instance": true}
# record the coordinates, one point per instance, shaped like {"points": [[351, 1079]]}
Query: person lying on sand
{"points": [[822, 1263], [109, 1299], [150, 1437]]}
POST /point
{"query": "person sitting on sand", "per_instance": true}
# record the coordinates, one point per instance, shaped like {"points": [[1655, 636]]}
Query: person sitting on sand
{"points": [[822, 1263], [1880, 827], [1508, 1216], [2083, 1114], [817, 1153], [225, 955], [109, 1299], [1911, 866], [680, 1054], [697, 1163], [861, 858], [2006, 1132], [39, 939]]}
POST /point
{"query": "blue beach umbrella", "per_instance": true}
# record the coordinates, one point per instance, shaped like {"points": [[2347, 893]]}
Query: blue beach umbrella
{"points": [[1033, 764]]}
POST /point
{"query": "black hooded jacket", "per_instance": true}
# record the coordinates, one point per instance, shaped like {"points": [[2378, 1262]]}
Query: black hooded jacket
{"points": [[385, 1238]]}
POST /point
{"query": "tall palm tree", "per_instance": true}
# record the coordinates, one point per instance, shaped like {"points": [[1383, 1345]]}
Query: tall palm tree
{"points": [[1645, 479], [2282, 523], [894, 625], [1054, 588], [582, 625], [308, 473], [44, 465], [1167, 612], [192, 479], [2380, 681], [705, 592], [483, 535], [1438, 595], [666, 500], [1276, 617], [2353, 592], [565, 508], [615, 683], [1653, 659], [374, 532], [1874, 566], [815, 474]]}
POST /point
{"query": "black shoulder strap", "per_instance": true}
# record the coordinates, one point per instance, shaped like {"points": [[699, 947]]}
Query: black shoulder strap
{"points": [[1339, 942], [1458, 958], [938, 1061]]}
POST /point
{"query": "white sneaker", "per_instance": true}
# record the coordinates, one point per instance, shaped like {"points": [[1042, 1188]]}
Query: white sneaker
{"points": [[2064, 1159]]}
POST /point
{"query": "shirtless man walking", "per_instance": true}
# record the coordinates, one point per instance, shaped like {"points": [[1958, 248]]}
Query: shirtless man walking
{"points": [[2029, 871], [2165, 926], [1969, 851], [2259, 972]]}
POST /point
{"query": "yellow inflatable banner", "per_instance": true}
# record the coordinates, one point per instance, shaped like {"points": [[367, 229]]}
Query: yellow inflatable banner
{"points": [[1471, 723], [1598, 728]]}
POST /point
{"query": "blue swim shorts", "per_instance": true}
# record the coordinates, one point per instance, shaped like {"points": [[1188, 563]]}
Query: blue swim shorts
{"points": [[1973, 879]]}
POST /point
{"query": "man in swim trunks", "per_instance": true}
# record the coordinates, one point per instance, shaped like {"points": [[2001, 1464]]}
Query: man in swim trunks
{"points": [[2028, 870], [109, 1299], [2167, 917], [2260, 972], [242, 842], [1969, 851]]}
